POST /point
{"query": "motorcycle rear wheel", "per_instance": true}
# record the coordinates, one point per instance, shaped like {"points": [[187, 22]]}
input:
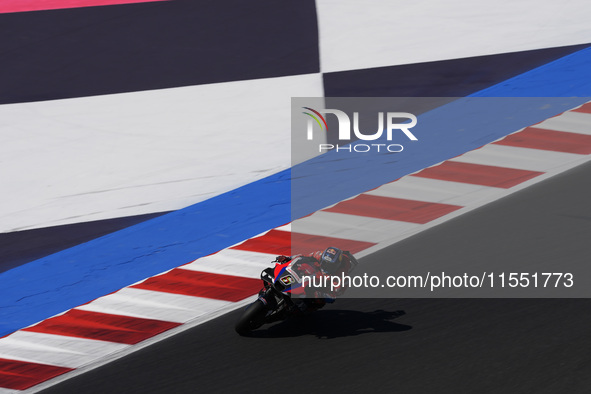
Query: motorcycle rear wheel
{"points": [[252, 318]]}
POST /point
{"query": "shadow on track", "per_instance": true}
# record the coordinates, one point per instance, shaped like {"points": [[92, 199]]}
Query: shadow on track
{"points": [[332, 324]]}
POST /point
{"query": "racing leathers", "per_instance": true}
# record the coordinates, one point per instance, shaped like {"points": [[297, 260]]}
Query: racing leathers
{"points": [[310, 266]]}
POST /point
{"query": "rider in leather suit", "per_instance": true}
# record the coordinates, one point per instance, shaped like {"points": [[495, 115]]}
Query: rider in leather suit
{"points": [[330, 262]]}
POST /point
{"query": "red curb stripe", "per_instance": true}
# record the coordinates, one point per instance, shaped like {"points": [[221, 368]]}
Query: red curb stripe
{"points": [[290, 243], [102, 326], [586, 108], [393, 208], [557, 141], [202, 284], [478, 174], [21, 375], [9, 6]]}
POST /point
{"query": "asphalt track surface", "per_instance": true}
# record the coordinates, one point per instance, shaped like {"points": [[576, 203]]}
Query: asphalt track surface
{"points": [[402, 345]]}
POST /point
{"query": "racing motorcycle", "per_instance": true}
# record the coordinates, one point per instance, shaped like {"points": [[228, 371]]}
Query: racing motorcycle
{"points": [[281, 297]]}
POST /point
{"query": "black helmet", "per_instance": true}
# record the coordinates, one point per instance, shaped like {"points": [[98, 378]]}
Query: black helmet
{"points": [[331, 260]]}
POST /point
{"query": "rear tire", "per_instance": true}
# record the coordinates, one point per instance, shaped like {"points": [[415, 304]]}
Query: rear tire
{"points": [[252, 318]]}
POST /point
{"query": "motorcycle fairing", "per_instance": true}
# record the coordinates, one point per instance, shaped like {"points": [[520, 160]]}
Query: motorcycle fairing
{"points": [[287, 280]]}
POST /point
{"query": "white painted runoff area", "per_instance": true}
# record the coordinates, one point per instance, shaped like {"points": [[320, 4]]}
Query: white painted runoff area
{"points": [[85, 159], [378, 33]]}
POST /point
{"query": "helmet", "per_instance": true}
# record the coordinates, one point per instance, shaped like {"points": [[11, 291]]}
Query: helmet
{"points": [[331, 260]]}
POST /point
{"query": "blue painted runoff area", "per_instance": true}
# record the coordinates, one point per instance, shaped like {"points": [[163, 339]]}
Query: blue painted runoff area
{"points": [[48, 286]]}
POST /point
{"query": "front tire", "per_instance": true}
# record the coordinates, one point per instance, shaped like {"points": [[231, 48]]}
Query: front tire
{"points": [[252, 318]]}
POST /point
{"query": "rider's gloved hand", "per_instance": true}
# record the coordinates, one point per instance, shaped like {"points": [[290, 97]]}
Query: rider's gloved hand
{"points": [[281, 259], [328, 298], [324, 297]]}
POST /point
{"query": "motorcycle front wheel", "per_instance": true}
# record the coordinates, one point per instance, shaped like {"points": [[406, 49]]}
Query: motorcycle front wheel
{"points": [[252, 318]]}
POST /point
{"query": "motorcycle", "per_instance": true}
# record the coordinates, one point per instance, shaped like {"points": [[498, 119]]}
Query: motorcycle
{"points": [[282, 296]]}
